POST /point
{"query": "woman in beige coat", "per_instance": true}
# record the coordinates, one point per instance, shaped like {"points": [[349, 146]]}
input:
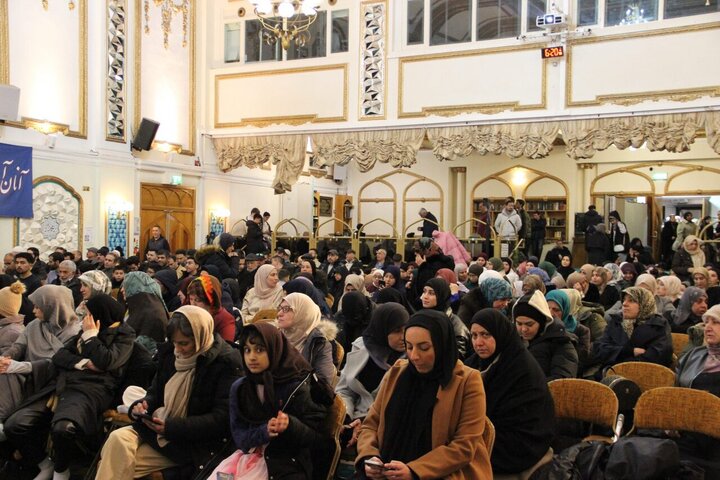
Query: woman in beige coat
{"points": [[266, 294], [397, 441]]}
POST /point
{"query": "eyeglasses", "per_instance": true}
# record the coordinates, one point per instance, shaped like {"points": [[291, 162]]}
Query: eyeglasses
{"points": [[284, 309]]}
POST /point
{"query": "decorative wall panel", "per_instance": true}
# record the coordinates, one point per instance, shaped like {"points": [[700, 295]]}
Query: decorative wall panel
{"points": [[57, 219], [373, 44], [117, 230], [116, 71]]}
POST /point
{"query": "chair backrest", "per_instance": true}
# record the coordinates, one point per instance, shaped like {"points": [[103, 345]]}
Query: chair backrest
{"points": [[489, 435], [332, 427], [339, 354], [646, 375], [680, 341], [584, 400], [266, 315], [676, 408]]}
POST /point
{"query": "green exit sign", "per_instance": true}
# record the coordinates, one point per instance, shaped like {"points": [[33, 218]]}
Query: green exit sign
{"points": [[176, 180]]}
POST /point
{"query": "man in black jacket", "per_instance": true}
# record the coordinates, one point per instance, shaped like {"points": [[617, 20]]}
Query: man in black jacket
{"points": [[429, 224], [223, 257], [156, 241], [592, 218]]}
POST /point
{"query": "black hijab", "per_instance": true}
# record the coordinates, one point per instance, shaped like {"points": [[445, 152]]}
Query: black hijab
{"points": [[105, 310], [408, 415], [507, 341], [385, 319], [286, 365], [306, 286], [442, 293]]}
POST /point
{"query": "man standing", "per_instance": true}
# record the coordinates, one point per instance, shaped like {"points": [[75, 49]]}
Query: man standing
{"points": [[537, 234], [508, 222], [592, 218], [156, 241], [684, 228], [430, 223], [667, 240], [525, 230], [23, 272]]}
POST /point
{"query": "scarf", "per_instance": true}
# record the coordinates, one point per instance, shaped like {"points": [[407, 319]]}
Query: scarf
{"points": [[563, 301], [647, 280], [408, 414], [303, 285], [507, 340], [495, 289], [712, 363], [673, 286], [262, 290], [307, 317], [447, 275], [496, 264], [212, 290], [442, 293], [684, 308], [549, 268], [385, 319], [105, 310], [179, 387], [646, 301], [97, 281], [43, 338], [286, 365], [141, 282], [697, 255]]}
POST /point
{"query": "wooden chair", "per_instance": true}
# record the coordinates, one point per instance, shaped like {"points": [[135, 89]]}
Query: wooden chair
{"points": [[325, 460], [340, 354], [489, 436], [330, 300], [267, 315], [675, 408], [645, 374], [680, 341], [585, 400]]}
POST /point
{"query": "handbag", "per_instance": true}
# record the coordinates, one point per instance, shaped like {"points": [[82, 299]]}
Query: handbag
{"points": [[619, 248], [248, 466]]}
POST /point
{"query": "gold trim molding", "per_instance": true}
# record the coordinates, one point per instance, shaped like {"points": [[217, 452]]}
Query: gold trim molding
{"points": [[81, 132], [191, 72], [627, 99], [484, 108], [293, 120]]}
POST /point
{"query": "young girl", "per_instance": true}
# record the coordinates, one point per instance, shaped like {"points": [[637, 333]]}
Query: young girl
{"points": [[271, 408]]}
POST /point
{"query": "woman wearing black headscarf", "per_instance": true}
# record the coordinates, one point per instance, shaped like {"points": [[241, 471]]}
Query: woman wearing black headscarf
{"points": [[353, 318], [372, 355], [272, 404], [336, 285], [429, 415], [302, 284], [168, 281], [517, 399], [90, 368], [436, 296], [394, 287]]}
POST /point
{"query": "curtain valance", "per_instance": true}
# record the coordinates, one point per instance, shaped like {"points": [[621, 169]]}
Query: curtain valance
{"points": [[712, 130]]}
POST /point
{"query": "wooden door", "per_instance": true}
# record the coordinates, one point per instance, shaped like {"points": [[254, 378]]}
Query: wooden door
{"points": [[172, 209]]}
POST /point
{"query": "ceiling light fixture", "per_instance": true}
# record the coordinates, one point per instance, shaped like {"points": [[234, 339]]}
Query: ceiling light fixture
{"points": [[286, 20]]}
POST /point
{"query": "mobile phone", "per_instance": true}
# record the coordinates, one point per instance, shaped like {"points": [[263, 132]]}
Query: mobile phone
{"points": [[375, 464], [381, 283], [145, 416]]}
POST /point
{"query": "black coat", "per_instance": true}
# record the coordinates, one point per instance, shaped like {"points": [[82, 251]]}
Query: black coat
{"points": [[682, 261], [609, 297], [428, 227], [212, 255], [159, 244], [254, 238], [196, 437], [597, 245], [592, 218], [471, 303], [520, 407], [555, 255], [425, 272], [289, 454], [84, 394], [615, 347], [555, 353]]}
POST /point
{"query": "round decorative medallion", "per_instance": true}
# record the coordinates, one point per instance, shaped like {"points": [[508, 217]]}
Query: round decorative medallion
{"points": [[49, 227]]}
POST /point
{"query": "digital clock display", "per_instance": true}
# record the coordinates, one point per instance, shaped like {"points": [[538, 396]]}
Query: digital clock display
{"points": [[553, 52]]}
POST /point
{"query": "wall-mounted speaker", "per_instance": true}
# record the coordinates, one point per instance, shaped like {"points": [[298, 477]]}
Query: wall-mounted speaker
{"points": [[145, 135], [9, 101]]}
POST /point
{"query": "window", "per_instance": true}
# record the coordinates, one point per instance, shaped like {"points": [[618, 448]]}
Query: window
{"points": [[498, 19], [536, 8], [256, 48], [450, 21], [340, 31], [416, 22], [682, 8], [587, 12], [628, 12], [316, 47], [232, 42]]}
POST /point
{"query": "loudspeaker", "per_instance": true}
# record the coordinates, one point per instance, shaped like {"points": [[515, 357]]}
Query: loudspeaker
{"points": [[145, 134], [9, 101]]}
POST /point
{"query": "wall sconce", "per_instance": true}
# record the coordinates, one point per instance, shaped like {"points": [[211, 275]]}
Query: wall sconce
{"points": [[117, 231], [519, 177], [166, 147], [218, 221]]}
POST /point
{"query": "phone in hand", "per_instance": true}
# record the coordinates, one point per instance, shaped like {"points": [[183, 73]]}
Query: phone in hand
{"points": [[376, 465], [144, 416]]}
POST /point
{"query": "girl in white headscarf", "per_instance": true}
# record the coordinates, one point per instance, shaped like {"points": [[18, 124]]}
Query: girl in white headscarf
{"points": [[266, 294]]}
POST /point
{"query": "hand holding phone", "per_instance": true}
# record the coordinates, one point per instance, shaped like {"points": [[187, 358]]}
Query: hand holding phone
{"points": [[374, 468], [144, 416]]}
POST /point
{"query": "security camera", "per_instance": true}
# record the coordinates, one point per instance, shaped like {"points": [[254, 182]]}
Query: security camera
{"points": [[338, 181]]}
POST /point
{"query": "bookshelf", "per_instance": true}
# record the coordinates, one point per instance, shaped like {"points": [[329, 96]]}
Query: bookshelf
{"points": [[343, 211], [554, 209]]}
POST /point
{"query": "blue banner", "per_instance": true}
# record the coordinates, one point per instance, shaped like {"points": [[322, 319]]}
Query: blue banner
{"points": [[16, 182]]}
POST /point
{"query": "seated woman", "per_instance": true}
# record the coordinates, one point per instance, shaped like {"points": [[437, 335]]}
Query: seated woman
{"points": [[629, 276], [517, 398], [300, 320], [318, 277], [435, 296], [691, 254], [692, 306], [394, 282], [271, 407], [429, 415], [92, 283], [565, 267], [266, 294], [545, 338], [187, 403], [699, 368], [353, 317], [146, 310], [608, 294], [25, 366], [701, 277], [206, 292], [563, 304], [168, 282], [492, 293], [11, 321], [372, 355], [90, 369], [303, 284], [669, 289], [336, 285], [637, 334]]}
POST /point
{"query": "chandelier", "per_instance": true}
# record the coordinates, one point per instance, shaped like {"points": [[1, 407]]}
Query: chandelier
{"points": [[167, 9], [286, 20]]}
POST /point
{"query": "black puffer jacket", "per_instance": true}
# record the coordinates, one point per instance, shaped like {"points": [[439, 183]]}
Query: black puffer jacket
{"points": [[196, 437], [213, 255], [616, 347], [555, 353]]}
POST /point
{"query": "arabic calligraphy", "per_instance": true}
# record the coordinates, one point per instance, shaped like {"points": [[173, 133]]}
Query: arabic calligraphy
{"points": [[12, 178]]}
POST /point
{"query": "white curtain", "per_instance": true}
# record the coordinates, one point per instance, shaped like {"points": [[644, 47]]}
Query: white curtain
{"points": [[396, 147], [531, 140], [712, 130], [285, 151]]}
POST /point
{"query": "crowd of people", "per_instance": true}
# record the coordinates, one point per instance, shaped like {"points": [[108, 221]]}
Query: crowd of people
{"points": [[252, 346]]}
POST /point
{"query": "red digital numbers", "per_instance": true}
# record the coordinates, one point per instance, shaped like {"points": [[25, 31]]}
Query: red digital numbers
{"points": [[552, 52]]}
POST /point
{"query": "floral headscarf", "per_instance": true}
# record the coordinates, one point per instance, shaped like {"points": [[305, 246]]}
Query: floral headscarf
{"points": [[646, 301]]}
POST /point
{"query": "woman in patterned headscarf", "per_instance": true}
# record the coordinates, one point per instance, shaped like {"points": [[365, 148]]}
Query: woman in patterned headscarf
{"points": [[638, 334]]}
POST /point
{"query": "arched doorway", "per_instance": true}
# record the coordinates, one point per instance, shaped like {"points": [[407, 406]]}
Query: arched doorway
{"points": [[172, 209]]}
